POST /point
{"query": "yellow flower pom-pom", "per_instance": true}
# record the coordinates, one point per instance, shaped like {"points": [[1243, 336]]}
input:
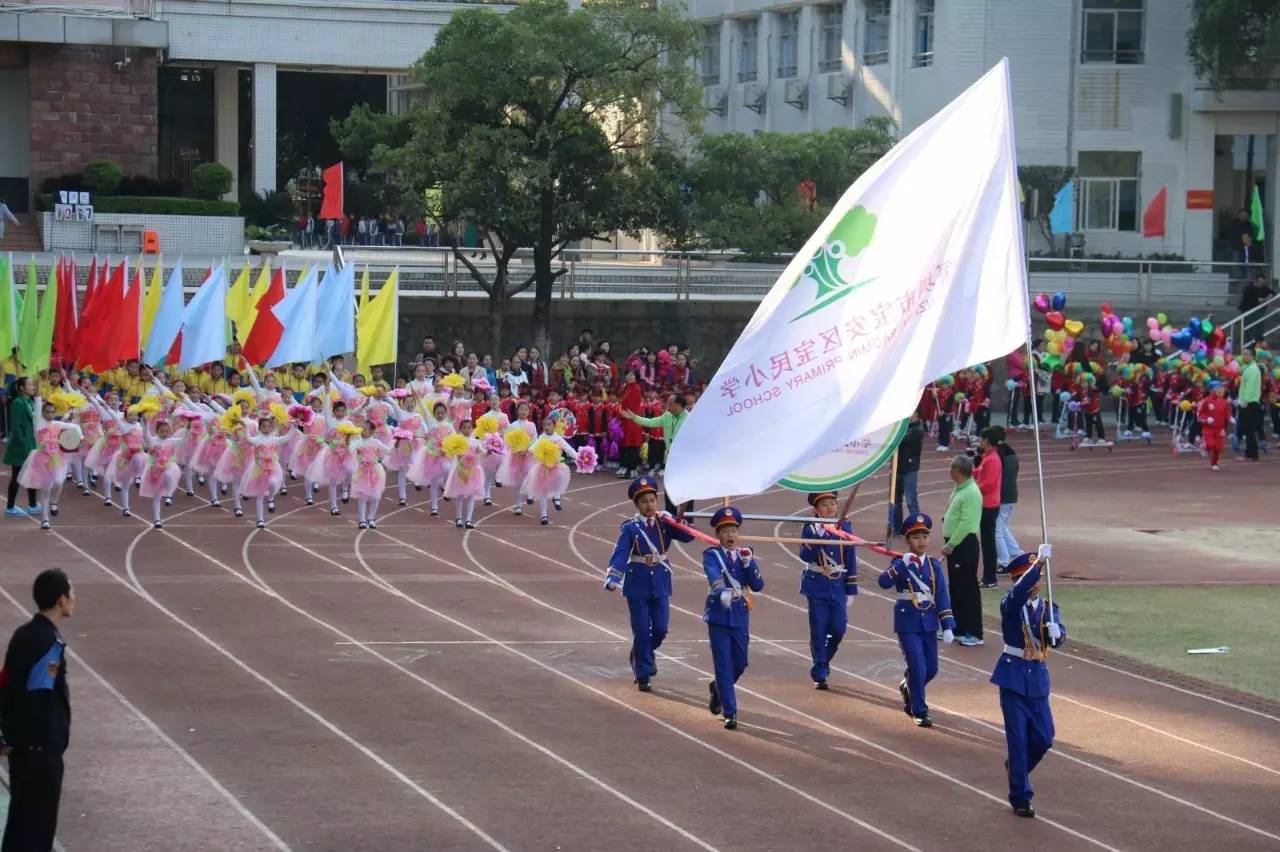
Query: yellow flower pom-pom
{"points": [[346, 428], [454, 445], [244, 395], [517, 439], [230, 419], [148, 405], [367, 390], [547, 452], [486, 425], [453, 380], [280, 413], [64, 401]]}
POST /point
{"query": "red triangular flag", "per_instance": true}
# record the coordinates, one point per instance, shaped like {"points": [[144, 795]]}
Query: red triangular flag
{"points": [[1153, 216], [265, 335], [130, 317], [99, 340], [64, 320]]}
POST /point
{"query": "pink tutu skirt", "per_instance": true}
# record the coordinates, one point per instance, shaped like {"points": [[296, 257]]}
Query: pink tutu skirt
{"points": [[91, 431], [233, 462], [465, 480], [368, 482], [305, 454], [401, 455], [127, 465], [514, 468], [104, 449], [289, 447], [426, 469], [189, 446], [543, 482], [43, 469], [490, 464], [262, 480], [210, 453], [332, 467], [160, 480]]}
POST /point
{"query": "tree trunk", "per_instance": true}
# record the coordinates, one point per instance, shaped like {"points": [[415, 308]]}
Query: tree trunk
{"points": [[544, 277], [497, 306]]}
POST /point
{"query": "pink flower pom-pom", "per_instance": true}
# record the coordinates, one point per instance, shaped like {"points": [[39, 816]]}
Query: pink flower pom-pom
{"points": [[495, 445], [189, 415], [587, 461], [398, 393], [301, 413], [482, 385], [402, 434]]}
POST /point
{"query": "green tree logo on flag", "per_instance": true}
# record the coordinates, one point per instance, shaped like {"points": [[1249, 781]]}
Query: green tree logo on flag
{"points": [[833, 268]]}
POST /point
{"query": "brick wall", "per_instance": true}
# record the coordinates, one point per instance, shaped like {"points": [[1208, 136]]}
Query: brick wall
{"points": [[83, 108]]}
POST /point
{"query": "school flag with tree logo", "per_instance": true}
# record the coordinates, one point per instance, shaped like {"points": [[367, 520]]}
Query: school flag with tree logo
{"points": [[888, 295]]}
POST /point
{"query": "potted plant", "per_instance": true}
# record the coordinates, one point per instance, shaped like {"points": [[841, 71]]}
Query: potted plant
{"points": [[267, 239]]}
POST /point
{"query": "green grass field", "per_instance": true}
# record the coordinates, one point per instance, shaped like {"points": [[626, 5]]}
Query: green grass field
{"points": [[1158, 625]]}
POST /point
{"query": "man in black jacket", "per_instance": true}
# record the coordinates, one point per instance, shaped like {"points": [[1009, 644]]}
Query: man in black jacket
{"points": [[35, 716], [909, 450], [1006, 545]]}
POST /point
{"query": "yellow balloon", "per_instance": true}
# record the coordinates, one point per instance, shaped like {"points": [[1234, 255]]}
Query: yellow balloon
{"points": [[1055, 348], [1073, 327], [1185, 405]]}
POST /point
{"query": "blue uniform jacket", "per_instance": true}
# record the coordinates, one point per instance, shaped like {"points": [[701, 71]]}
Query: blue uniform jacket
{"points": [[932, 602], [640, 538], [1025, 677], [814, 582], [717, 563]]}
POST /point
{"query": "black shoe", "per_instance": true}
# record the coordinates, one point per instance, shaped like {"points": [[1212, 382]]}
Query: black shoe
{"points": [[469, 525], [713, 704], [447, 499], [556, 503], [528, 501], [925, 721], [373, 525], [458, 523], [404, 502], [906, 696], [310, 501], [1025, 810], [435, 512], [127, 514], [643, 685], [488, 501], [821, 685], [363, 525], [158, 525], [53, 510], [189, 493], [417, 488], [544, 520], [334, 512], [168, 501], [989, 585], [239, 513], [271, 506], [84, 492], [731, 723], [262, 525], [346, 499], [217, 504]]}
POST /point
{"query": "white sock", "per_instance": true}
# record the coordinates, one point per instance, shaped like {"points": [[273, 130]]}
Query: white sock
{"points": [[124, 497], [156, 501], [361, 503], [43, 495], [372, 512], [403, 485], [259, 502], [471, 508], [333, 496], [543, 505], [213, 489], [435, 497]]}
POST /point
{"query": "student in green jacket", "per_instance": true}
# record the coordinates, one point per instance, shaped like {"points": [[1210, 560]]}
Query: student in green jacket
{"points": [[1250, 403], [22, 440], [670, 422], [960, 545]]}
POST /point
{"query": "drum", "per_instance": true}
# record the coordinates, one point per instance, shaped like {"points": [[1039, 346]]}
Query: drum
{"points": [[69, 440]]}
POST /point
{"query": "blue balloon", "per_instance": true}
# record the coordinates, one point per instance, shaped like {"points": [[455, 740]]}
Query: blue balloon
{"points": [[1065, 396], [1059, 300], [1193, 327], [1010, 384], [1128, 325], [1182, 339]]}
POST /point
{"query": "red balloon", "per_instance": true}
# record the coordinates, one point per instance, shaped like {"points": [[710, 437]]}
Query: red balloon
{"points": [[1055, 319], [1106, 309], [1217, 339]]}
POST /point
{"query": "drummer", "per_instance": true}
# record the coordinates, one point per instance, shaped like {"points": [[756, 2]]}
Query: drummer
{"points": [[829, 584]]}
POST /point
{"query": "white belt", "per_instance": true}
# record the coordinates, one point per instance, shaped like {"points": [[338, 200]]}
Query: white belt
{"points": [[924, 597], [1014, 652]]}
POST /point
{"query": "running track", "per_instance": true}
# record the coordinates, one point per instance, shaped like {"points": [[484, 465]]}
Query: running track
{"points": [[414, 688]]}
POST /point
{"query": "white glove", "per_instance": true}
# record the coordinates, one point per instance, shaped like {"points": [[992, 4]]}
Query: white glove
{"points": [[1055, 631], [665, 515], [744, 553], [848, 602], [611, 586], [1044, 551], [948, 637], [726, 598]]}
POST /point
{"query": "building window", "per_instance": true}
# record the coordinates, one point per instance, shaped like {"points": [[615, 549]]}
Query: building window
{"points": [[1109, 190], [1112, 32], [831, 25], [876, 50], [709, 55], [922, 54], [748, 49], [788, 44]]}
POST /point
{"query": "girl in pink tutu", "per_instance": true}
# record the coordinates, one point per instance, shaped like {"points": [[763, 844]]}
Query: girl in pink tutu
{"points": [[406, 441], [335, 415], [98, 460], [515, 467], [90, 422], [466, 482], [45, 469], [191, 432], [549, 476], [312, 428], [161, 473], [130, 458], [336, 462], [430, 468], [370, 477], [265, 474], [493, 451], [210, 449], [235, 459]]}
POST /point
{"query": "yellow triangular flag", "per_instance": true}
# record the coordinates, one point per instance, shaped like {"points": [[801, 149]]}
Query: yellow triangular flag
{"points": [[151, 301], [244, 322], [238, 296], [377, 327], [364, 289]]}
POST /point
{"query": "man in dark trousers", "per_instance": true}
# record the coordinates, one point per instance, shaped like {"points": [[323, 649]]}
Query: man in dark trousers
{"points": [[905, 488], [35, 716]]}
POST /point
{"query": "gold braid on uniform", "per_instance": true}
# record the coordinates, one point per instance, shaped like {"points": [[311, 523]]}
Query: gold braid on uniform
{"points": [[1029, 651], [911, 587]]}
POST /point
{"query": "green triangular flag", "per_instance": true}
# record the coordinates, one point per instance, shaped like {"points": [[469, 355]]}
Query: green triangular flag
{"points": [[1255, 216], [8, 316], [29, 320], [44, 330]]}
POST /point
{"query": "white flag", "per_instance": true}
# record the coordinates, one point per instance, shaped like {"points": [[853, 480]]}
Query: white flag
{"points": [[204, 323], [917, 272]]}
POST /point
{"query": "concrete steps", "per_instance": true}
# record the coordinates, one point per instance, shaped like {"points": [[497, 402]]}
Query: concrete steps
{"points": [[24, 237]]}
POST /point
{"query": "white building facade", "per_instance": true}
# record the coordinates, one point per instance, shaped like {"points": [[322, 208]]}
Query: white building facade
{"points": [[1103, 86]]}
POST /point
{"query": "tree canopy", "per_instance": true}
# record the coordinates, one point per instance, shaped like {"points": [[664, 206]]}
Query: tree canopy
{"points": [[1234, 42]]}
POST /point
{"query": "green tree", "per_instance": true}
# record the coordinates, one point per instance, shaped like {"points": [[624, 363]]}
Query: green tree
{"points": [[1234, 42]]}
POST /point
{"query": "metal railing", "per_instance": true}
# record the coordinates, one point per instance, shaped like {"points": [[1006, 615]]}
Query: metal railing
{"points": [[1255, 325]]}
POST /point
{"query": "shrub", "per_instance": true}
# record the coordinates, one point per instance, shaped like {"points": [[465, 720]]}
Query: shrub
{"points": [[212, 180], [153, 206], [141, 185], [102, 177], [267, 209]]}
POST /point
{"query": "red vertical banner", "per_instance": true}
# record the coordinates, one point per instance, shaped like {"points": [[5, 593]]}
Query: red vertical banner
{"points": [[331, 205]]}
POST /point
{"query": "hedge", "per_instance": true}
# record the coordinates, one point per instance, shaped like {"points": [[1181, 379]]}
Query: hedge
{"points": [[154, 206]]}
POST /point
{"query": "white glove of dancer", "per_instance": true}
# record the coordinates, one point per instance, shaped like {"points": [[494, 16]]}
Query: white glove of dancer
{"points": [[726, 598], [744, 553], [948, 637], [1055, 631], [610, 586], [1045, 551], [848, 602]]}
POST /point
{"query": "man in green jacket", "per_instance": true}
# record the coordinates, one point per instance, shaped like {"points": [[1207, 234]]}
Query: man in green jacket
{"points": [[1250, 403], [960, 527], [22, 440], [670, 422]]}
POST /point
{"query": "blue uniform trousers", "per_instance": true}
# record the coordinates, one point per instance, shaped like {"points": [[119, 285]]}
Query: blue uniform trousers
{"points": [[729, 654], [649, 620], [920, 650], [1028, 730], [827, 623]]}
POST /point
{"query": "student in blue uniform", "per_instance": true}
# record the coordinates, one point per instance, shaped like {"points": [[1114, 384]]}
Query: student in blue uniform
{"points": [[639, 565], [733, 574], [829, 585], [923, 606], [1022, 674]]}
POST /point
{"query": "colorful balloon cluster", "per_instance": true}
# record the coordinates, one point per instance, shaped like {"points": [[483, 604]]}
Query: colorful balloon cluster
{"points": [[1118, 332], [1062, 333]]}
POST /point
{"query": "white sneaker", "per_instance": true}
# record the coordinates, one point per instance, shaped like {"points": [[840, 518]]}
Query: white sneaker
{"points": [[941, 449], [1087, 442], [1215, 467]]}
